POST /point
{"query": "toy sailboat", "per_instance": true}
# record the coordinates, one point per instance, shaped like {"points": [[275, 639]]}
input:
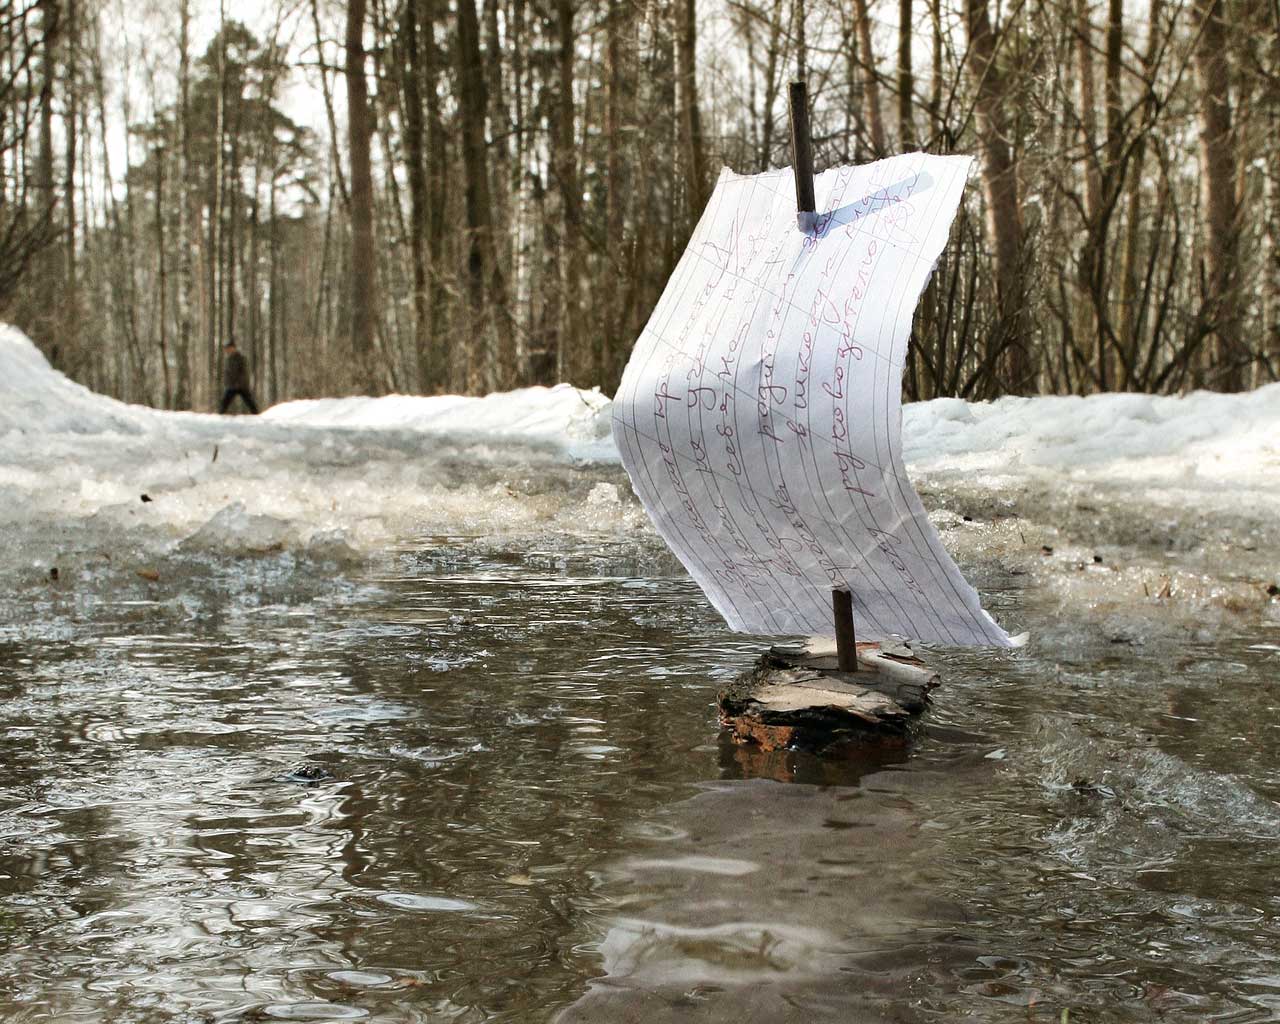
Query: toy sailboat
{"points": [[759, 417]]}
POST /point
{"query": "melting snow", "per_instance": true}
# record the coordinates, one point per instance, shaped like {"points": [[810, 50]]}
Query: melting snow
{"points": [[1038, 482]]}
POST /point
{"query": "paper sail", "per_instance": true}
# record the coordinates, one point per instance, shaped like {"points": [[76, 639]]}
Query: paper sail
{"points": [[760, 418]]}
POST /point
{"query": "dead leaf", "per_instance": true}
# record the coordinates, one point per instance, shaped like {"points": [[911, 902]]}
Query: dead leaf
{"points": [[151, 575]]}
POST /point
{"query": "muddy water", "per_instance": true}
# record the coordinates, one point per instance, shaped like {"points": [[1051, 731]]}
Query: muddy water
{"points": [[525, 811]]}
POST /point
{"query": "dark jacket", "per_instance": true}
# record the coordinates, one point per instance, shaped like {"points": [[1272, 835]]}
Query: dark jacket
{"points": [[235, 373]]}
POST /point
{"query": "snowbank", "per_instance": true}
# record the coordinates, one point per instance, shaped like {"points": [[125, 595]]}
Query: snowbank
{"points": [[576, 420], [1218, 446], [83, 476], [339, 478]]}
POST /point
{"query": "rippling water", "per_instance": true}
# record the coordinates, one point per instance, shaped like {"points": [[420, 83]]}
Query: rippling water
{"points": [[526, 812]]}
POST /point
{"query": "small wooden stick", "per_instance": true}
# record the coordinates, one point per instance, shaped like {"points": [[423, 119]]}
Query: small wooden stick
{"points": [[802, 157], [846, 644]]}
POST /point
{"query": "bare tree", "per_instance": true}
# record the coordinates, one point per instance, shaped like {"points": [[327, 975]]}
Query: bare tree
{"points": [[906, 79], [1271, 215], [359, 138], [415, 158], [1218, 193], [1000, 187], [870, 81], [485, 367], [697, 184]]}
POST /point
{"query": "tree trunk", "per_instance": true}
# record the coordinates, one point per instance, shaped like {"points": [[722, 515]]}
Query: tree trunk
{"points": [[253, 310], [482, 372], [440, 353], [870, 83], [1092, 252], [69, 334], [415, 158], [214, 350], [573, 363], [162, 284], [1112, 176], [936, 72], [906, 81], [394, 231], [231, 233], [133, 386], [619, 111], [46, 283], [1271, 210], [335, 160], [1217, 193], [695, 159], [270, 387], [771, 78], [499, 128], [182, 393], [360, 135], [1130, 316], [1111, 83], [854, 141], [616, 25], [1000, 186]]}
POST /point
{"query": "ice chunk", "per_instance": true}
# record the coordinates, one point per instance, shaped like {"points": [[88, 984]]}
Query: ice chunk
{"points": [[603, 494], [331, 546], [236, 530]]}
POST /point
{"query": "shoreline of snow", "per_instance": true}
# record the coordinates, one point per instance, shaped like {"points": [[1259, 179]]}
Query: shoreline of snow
{"points": [[1201, 437], [1129, 476], [1209, 435]]}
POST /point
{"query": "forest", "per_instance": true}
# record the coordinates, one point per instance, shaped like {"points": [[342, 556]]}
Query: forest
{"points": [[425, 196]]}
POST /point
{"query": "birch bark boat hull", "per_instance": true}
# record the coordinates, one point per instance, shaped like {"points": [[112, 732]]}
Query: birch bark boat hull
{"points": [[796, 698]]}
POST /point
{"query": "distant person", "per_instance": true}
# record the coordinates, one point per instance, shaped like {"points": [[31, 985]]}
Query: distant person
{"points": [[235, 379]]}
